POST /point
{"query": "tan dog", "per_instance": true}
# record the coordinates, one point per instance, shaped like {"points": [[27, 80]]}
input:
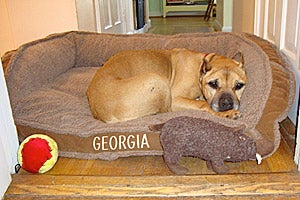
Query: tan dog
{"points": [[133, 84]]}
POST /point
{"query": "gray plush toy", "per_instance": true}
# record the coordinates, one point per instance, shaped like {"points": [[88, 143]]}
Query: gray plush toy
{"points": [[213, 142]]}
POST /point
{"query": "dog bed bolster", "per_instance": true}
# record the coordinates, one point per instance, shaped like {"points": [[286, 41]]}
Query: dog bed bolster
{"points": [[47, 80]]}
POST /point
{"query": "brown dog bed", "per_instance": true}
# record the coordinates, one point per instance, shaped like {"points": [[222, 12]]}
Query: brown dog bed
{"points": [[47, 80]]}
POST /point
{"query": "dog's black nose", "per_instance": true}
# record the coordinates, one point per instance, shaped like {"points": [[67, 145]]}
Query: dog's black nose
{"points": [[225, 102]]}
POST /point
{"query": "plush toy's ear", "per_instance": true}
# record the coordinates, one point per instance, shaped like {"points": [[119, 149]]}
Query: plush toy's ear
{"points": [[205, 67], [156, 127]]}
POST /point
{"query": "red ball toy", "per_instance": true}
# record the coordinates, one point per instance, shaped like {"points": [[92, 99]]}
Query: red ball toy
{"points": [[38, 153]]}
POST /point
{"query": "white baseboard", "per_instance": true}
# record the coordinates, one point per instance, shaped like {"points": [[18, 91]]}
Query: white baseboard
{"points": [[227, 29], [155, 14], [145, 28], [222, 28]]}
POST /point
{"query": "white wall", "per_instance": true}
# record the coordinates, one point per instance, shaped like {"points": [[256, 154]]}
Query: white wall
{"points": [[224, 15], [22, 21], [6, 39], [86, 15], [5, 177], [243, 16], [228, 13], [235, 15], [155, 8], [8, 138], [27, 20]]}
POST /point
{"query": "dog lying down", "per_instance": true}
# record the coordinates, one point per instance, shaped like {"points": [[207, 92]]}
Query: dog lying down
{"points": [[137, 83]]}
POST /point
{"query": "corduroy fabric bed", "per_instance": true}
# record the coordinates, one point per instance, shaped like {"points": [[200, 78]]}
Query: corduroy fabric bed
{"points": [[47, 80]]}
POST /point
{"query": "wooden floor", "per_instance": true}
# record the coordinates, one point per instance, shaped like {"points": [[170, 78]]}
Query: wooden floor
{"points": [[280, 162], [148, 177], [174, 25]]}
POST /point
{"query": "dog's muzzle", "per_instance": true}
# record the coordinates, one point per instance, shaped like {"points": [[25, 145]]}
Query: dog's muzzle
{"points": [[224, 102]]}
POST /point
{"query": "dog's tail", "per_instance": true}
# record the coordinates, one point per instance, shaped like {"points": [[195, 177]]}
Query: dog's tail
{"points": [[156, 127]]}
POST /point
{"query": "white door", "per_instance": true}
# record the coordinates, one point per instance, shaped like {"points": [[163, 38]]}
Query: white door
{"points": [[278, 21], [106, 16], [110, 16]]}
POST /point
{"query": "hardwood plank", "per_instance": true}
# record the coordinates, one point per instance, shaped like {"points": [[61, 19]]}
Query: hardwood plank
{"points": [[87, 168], [123, 166], [253, 185], [281, 160], [155, 165]]}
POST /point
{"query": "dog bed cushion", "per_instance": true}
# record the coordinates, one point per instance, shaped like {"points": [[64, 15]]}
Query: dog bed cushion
{"points": [[47, 80]]}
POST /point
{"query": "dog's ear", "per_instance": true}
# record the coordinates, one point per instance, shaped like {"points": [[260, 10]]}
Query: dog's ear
{"points": [[239, 58], [205, 64]]}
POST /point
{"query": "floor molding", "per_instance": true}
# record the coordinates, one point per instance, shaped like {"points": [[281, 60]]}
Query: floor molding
{"points": [[288, 132]]}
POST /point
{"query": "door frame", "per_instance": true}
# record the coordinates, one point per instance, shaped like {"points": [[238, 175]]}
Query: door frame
{"points": [[278, 22]]}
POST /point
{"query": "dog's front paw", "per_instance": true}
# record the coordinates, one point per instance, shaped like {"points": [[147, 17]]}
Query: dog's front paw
{"points": [[231, 114]]}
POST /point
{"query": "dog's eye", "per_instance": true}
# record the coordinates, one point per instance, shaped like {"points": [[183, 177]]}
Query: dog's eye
{"points": [[239, 86], [213, 84]]}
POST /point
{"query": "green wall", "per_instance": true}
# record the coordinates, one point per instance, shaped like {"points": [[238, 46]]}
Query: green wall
{"points": [[155, 7]]}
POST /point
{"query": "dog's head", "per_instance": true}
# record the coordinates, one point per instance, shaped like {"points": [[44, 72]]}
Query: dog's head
{"points": [[223, 81]]}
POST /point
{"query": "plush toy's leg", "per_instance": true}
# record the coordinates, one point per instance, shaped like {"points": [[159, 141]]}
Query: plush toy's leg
{"points": [[217, 166], [264, 147], [177, 169], [209, 165], [172, 163]]}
